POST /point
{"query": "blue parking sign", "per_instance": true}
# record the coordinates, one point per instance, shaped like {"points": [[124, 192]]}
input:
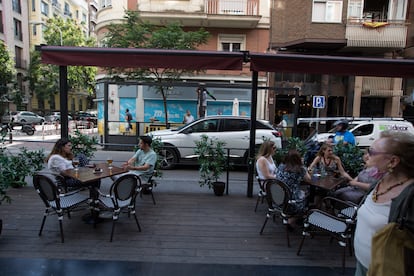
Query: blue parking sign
{"points": [[318, 101]]}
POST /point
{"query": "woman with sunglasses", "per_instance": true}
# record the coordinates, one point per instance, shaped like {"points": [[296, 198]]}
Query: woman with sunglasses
{"points": [[391, 154], [265, 165]]}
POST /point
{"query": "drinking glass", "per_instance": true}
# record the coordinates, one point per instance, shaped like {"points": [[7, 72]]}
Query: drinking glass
{"points": [[75, 162], [109, 160]]}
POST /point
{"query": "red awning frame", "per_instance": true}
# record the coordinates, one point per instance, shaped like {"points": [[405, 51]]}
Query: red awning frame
{"points": [[64, 56]]}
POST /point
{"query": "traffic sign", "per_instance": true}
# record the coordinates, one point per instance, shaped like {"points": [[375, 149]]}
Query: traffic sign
{"points": [[318, 101]]}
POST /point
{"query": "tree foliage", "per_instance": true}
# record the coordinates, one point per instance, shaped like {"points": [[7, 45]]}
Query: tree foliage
{"points": [[8, 84], [44, 78], [135, 33]]}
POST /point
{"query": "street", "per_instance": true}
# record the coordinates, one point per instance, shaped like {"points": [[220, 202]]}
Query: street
{"points": [[183, 179]]}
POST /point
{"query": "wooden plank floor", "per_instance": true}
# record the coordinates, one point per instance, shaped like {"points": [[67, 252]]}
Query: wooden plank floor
{"points": [[183, 227]]}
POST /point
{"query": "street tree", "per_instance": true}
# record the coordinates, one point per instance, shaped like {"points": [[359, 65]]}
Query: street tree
{"points": [[133, 32], [8, 85], [44, 78]]}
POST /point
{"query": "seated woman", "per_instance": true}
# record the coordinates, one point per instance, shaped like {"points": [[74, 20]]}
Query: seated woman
{"points": [[292, 172], [358, 187], [60, 159], [328, 164], [265, 165]]}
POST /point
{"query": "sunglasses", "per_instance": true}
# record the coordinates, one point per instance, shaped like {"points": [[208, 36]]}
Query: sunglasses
{"points": [[373, 152]]}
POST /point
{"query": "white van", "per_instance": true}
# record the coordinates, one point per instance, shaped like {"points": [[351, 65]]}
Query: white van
{"points": [[367, 131]]}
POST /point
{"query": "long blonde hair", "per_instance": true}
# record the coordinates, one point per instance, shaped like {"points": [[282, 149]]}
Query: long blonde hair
{"points": [[265, 149]]}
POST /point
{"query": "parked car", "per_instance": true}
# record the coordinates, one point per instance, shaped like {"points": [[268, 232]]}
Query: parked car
{"points": [[367, 131], [85, 116], [179, 144], [55, 117], [22, 117]]}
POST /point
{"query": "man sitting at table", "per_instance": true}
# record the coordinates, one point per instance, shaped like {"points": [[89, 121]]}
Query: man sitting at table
{"points": [[143, 161]]}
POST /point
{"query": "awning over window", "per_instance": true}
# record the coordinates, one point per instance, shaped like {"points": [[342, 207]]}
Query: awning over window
{"points": [[352, 66], [141, 58]]}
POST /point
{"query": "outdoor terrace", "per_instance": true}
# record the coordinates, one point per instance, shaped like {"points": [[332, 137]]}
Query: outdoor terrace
{"points": [[188, 232]]}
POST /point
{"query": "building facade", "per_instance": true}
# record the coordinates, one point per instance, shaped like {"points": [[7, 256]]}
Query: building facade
{"points": [[233, 26], [39, 12], [367, 28], [13, 31]]}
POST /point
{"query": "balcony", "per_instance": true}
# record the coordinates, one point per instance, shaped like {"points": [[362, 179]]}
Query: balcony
{"points": [[391, 35], [205, 13], [379, 87]]}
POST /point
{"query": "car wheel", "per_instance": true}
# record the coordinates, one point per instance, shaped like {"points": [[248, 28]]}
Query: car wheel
{"points": [[168, 158]]}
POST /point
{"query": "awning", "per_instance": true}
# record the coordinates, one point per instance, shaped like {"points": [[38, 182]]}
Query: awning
{"points": [[141, 58], [353, 66]]}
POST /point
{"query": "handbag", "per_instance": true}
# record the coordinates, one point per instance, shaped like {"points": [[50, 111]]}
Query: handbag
{"points": [[392, 251]]}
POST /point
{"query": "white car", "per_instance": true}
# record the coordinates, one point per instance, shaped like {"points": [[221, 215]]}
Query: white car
{"points": [[22, 117], [179, 143], [366, 132]]}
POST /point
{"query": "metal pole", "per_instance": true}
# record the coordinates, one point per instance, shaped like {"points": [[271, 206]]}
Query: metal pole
{"points": [[63, 79], [250, 161]]}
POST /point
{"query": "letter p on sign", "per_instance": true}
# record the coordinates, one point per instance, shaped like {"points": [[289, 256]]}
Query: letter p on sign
{"points": [[318, 101]]}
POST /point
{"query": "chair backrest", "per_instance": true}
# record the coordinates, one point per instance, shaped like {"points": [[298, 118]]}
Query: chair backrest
{"points": [[125, 188], [47, 187], [278, 193]]}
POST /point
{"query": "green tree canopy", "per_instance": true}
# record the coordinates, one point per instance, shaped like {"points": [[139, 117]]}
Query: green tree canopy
{"points": [[44, 78], [135, 33], [8, 83]]}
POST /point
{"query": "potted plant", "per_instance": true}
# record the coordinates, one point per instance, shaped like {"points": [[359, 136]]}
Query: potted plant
{"points": [[212, 160], [83, 144], [15, 168]]}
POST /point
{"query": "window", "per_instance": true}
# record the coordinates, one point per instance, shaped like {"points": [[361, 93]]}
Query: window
{"points": [[16, 6], [363, 130], [18, 52], [80, 104], [44, 8], [327, 11], [84, 18], [1, 22], [205, 126], [18, 30], [33, 5], [235, 125], [106, 3], [355, 9], [52, 102], [67, 10], [231, 43]]}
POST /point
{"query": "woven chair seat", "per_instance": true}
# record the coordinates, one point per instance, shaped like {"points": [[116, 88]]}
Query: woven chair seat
{"points": [[348, 212], [70, 201], [107, 201], [325, 222]]}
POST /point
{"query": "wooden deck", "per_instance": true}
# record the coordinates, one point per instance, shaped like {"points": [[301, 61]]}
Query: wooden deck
{"points": [[183, 227]]}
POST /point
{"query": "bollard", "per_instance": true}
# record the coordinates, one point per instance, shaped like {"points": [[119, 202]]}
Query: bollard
{"points": [[10, 137]]}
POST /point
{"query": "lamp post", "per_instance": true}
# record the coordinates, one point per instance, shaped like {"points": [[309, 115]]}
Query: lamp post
{"points": [[55, 26]]}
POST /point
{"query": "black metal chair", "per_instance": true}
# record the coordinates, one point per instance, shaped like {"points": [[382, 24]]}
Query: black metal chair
{"points": [[261, 195], [148, 187], [338, 222], [279, 200], [57, 201], [122, 195]]}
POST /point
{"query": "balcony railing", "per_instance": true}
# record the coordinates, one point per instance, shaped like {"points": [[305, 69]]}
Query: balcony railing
{"points": [[369, 34], [232, 7]]}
